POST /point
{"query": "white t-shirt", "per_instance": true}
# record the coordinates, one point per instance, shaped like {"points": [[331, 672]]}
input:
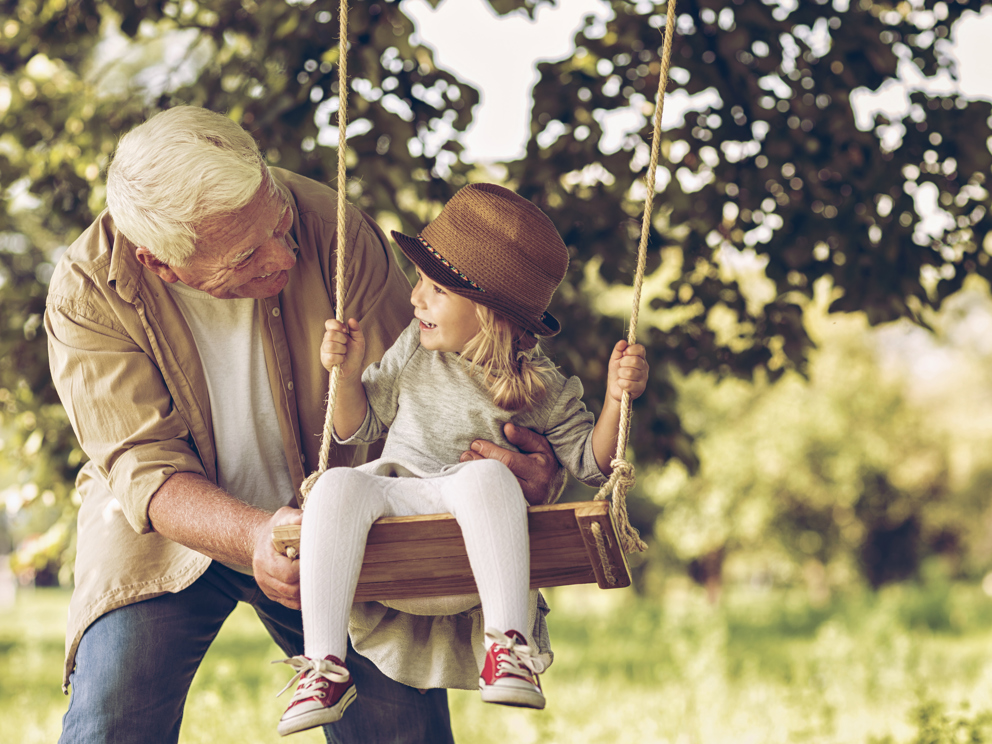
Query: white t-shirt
{"points": [[251, 463]]}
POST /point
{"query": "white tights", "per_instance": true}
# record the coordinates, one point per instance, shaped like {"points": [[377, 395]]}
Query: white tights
{"points": [[482, 495]]}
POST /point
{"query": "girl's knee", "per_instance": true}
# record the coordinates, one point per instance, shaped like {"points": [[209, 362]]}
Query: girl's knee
{"points": [[336, 484], [491, 470], [345, 494], [341, 478], [490, 481]]}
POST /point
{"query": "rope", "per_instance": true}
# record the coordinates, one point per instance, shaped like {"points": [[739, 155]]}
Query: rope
{"points": [[622, 479], [332, 387]]}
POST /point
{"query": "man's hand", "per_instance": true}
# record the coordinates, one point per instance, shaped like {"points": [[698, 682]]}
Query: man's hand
{"points": [[278, 576], [536, 467]]}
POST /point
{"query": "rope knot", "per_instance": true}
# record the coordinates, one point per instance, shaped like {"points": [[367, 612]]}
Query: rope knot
{"points": [[623, 473], [622, 480], [308, 484]]}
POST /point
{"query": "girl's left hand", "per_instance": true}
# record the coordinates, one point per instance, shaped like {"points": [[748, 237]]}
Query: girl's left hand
{"points": [[628, 371]]}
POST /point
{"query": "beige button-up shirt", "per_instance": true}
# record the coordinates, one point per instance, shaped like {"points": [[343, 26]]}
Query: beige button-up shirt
{"points": [[125, 365]]}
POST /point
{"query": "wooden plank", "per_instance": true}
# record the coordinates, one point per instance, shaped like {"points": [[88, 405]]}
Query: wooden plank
{"points": [[424, 556], [603, 548]]}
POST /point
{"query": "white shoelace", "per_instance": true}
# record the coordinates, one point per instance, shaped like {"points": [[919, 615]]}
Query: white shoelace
{"points": [[520, 661], [321, 668]]}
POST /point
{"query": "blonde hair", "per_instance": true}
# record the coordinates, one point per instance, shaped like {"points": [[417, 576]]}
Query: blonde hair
{"points": [[507, 358], [176, 170]]}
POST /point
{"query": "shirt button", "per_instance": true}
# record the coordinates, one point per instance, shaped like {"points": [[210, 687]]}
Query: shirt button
{"points": [[289, 386], [275, 312]]}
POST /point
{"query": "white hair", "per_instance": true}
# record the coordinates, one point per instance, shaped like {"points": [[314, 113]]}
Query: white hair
{"points": [[177, 169]]}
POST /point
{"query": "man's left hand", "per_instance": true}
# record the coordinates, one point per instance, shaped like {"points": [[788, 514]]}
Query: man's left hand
{"points": [[537, 469]]}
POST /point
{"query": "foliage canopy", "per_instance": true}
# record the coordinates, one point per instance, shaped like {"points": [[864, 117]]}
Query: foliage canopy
{"points": [[768, 166]]}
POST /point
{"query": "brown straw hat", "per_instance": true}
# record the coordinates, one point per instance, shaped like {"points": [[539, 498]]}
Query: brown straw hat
{"points": [[495, 248]]}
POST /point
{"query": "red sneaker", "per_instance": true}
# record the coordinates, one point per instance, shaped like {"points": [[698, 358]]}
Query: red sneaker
{"points": [[325, 690], [509, 675]]}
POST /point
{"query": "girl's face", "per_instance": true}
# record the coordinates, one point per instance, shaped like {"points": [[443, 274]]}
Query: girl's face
{"points": [[447, 320]]}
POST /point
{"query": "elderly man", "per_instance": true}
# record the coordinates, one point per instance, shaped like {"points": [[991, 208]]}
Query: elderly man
{"points": [[184, 329]]}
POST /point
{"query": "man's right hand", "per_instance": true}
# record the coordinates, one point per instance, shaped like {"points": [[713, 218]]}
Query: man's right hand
{"points": [[277, 575], [538, 471]]}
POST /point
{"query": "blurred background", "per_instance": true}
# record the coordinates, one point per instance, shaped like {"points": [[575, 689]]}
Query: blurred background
{"points": [[814, 452]]}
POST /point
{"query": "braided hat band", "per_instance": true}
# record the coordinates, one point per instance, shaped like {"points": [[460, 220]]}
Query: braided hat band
{"points": [[497, 249], [444, 262]]}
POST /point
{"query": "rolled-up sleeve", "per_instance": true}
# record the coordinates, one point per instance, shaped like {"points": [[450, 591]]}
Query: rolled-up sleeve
{"points": [[118, 404]]}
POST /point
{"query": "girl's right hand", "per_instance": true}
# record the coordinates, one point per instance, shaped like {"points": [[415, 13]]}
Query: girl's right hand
{"points": [[343, 345]]}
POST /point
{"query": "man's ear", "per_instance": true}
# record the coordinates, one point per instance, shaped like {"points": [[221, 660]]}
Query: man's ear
{"points": [[160, 269]]}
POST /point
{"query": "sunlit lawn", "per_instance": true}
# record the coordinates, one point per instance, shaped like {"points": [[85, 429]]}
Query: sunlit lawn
{"points": [[761, 667]]}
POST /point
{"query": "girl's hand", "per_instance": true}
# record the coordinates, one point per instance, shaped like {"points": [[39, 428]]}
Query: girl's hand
{"points": [[628, 371], [343, 345]]}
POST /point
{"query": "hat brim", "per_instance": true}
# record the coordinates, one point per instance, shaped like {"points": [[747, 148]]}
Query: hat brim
{"points": [[442, 275]]}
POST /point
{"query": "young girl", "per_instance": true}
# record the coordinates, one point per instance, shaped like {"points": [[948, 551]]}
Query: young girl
{"points": [[468, 364]]}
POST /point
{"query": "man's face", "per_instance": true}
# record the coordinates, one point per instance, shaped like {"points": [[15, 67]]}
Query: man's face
{"points": [[247, 253]]}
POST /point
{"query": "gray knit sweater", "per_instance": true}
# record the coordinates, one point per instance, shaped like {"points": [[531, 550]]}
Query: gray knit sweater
{"points": [[434, 409]]}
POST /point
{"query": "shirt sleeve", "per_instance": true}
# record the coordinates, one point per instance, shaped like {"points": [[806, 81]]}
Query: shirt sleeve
{"points": [[118, 403], [569, 432]]}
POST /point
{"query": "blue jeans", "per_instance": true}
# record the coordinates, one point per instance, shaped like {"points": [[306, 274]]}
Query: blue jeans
{"points": [[135, 664]]}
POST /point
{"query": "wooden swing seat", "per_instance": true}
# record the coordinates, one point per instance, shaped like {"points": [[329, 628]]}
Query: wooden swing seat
{"points": [[424, 556]]}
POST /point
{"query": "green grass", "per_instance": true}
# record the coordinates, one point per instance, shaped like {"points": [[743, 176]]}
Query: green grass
{"points": [[909, 665]]}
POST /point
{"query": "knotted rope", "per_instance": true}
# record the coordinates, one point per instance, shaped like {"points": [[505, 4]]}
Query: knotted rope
{"points": [[332, 387], [622, 478]]}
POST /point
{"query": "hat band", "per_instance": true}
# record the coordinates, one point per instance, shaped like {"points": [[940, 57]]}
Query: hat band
{"points": [[445, 262]]}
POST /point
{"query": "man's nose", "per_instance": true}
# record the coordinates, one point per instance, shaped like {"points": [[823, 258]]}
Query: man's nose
{"points": [[279, 256]]}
